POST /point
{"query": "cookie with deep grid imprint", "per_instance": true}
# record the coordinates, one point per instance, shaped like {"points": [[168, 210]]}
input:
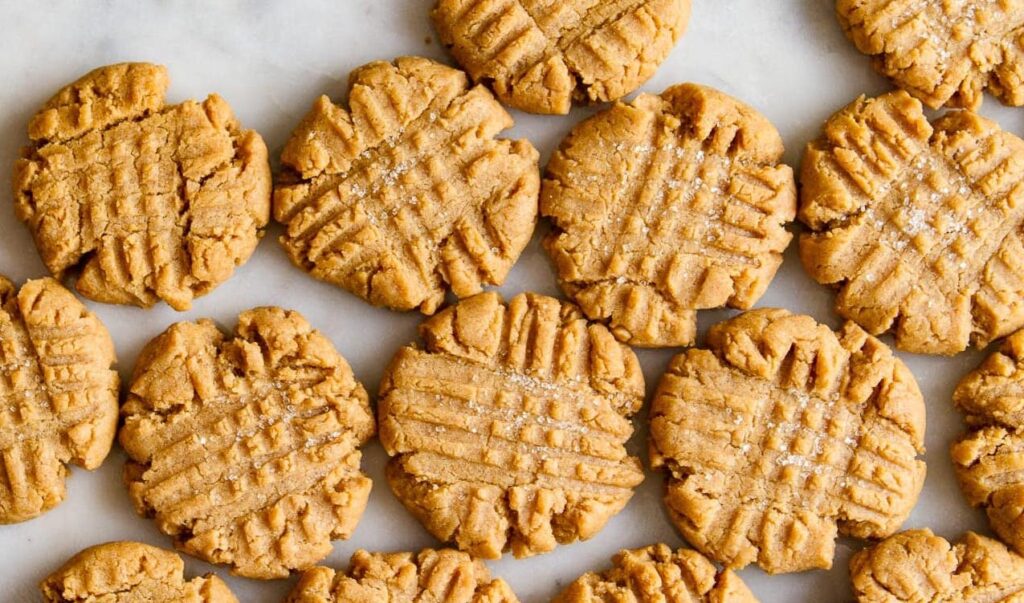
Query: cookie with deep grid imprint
{"points": [[130, 572], [541, 56], [784, 434], [407, 192], [655, 574], [917, 566], [918, 224], [58, 394], [245, 449], [430, 576], [507, 430], [667, 205], [144, 201], [943, 52]]}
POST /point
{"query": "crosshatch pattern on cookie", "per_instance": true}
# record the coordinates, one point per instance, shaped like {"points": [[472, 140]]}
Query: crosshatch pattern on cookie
{"points": [[917, 224], [782, 435], [541, 56], [246, 450], [508, 430], [58, 394], [667, 205], [145, 201], [944, 53], [407, 191]]}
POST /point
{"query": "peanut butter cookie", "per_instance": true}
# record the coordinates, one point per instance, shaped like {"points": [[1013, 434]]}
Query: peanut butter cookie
{"points": [[944, 53], [407, 191], [655, 574], [917, 566], [145, 201], [130, 572], [508, 429], [918, 224], [246, 450], [782, 435], [59, 394], [430, 576], [667, 205]]}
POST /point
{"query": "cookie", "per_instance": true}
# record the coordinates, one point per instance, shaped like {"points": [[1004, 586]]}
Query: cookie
{"points": [[430, 576], [916, 223], [917, 566], [406, 191], [655, 574], [507, 430], [989, 458], [130, 572], [245, 449], [541, 56], [59, 394], [144, 201], [667, 205], [944, 53], [784, 434]]}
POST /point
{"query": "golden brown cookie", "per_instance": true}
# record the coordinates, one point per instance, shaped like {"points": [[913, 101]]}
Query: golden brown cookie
{"points": [[655, 574], [508, 429], [917, 566], [245, 449], [784, 433], [430, 576], [917, 224], [943, 52], [59, 394], [145, 201], [989, 458], [667, 205], [130, 572], [407, 192], [540, 56]]}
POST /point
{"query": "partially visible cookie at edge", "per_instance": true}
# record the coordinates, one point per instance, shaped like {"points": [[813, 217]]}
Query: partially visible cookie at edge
{"points": [[667, 205], [541, 57], [130, 572]]}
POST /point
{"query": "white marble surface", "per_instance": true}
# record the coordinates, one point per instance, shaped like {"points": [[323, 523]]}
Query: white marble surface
{"points": [[270, 59]]}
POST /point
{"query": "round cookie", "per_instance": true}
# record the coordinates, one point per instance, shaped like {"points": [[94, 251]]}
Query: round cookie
{"points": [[917, 566], [245, 449], [430, 576], [507, 430], [989, 458], [130, 572], [144, 201], [667, 205], [655, 574], [916, 223], [541, 56], [944, 53], [784, 434], [59, 393], [407, 192]]}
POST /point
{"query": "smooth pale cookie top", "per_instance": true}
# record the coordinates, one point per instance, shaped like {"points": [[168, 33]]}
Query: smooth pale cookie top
{"points": [[508, 429], [407, 191], [943, 52], [245, 449], [130, 572], [664, 206], [919, 225], [59, 392], [917, 566], [655, 574], [430, 576], [782, 434], [540, 56], [151, 201]]}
